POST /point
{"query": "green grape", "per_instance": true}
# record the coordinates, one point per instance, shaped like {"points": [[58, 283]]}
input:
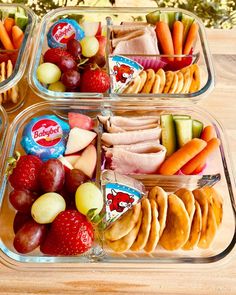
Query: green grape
{"points": [[57, 86], [46, 208], [90, 46], [48, 73], [88, 196]]}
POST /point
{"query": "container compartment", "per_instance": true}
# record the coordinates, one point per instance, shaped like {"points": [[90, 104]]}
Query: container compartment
{"points": [[224, 241], [14, 62], [111, 18], [8, 212]]}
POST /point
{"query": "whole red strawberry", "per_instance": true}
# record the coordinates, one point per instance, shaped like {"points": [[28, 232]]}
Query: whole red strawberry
{"points": [[54, 55], [24, 172], [94, 80], [70, 234]]}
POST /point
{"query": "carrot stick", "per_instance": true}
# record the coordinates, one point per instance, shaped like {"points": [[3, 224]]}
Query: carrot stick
{"points": [[177, 35], [200, 158], [182, 156], [17, 36], [192, 35], [208, 133], [6, 41], [165, 39], [9, 22]]}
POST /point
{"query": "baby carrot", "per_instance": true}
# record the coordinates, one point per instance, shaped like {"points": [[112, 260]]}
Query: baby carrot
{"points": [[165, 38], [208, 133], [6, 41], [192, 35], [200, 158], [17, 36], [177, 36], [182, 156], [9, 22]]}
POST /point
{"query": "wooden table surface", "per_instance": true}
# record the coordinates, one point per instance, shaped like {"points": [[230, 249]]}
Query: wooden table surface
{"points": [[222, 103]]}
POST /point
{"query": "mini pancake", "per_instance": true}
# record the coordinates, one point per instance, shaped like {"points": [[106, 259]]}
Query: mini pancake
{"points": [[133, 87], [145, 226], [215, 199], [196, 80], [124, 224], [155, 229], [162, 75], [187, 80], [211, 228], [143, 77], [149, 81], [125, 243], [180, 82], [169, 80], [177, 229], [201, 198], [196, 228], [188, 198], [156, 84], [161, 198], [174, 84]]}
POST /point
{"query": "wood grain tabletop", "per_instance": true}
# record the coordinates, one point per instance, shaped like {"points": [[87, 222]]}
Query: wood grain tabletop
{"points": [[221, 280]]}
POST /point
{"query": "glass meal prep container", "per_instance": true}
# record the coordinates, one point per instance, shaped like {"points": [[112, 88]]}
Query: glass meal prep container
{"points": [[13, 85], [111, 18], [3, 129], [218, 172]]}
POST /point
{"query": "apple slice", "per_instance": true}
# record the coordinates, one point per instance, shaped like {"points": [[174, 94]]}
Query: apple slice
{"points": [[65, 162], [80, 121], [78, 140], [87, 161], [72, 159], [91, 28]]}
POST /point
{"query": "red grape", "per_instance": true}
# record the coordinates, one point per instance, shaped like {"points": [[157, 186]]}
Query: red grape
{"points": [[74, 48], [20, 219], [67, 63], [22, 200], [74, 178], [71, 79], [52, 176], [29, 237]]}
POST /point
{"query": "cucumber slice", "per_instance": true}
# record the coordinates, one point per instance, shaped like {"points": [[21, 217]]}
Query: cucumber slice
{"points": [[21, 11], [183, 131], [164, 17], [187, 22], [178, 15], [21, 20], [175, 117], [168, 137], [171, 19], [153, 17], [197, 128]]}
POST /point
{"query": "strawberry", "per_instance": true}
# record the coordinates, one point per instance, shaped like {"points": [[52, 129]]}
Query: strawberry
{"points": [[94, 80], [54, 55], [24, 172], [70, 234]]}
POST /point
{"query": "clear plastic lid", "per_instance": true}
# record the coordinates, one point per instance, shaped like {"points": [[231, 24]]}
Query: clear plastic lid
{"points": [[111, 17], [218, 172]]}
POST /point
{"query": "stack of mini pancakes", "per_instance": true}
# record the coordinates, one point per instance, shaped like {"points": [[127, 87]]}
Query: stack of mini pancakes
{"points": [[186, 80], [181, 220], [11, 95]]}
